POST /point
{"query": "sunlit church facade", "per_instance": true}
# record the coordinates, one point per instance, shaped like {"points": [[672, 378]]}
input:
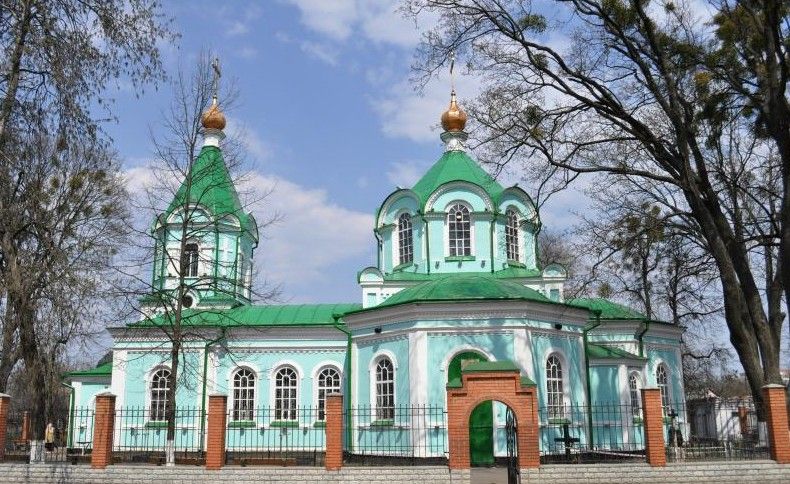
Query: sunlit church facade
{"points": [[456, 280]]}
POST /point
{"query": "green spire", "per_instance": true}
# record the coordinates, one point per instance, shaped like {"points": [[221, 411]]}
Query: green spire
{"points": [[212, 188], [456, 166]]}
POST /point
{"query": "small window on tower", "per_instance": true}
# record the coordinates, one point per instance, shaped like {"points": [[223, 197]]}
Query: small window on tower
{"points": [[190, 259]]}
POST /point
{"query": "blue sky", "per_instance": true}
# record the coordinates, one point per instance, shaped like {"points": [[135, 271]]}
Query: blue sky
{"points": [[330, 118]]}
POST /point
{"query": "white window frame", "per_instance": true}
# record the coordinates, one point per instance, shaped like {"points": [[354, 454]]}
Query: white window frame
{"points": [[516, 233], [552, 406], [396, 237], [281, 414], [318, 388], [190, 263], [447, 210], [235, 413], [375, 414], [149, 394], [665, 389]]}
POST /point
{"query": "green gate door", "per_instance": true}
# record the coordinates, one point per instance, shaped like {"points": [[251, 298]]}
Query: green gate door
{"points": [[481, 422]]}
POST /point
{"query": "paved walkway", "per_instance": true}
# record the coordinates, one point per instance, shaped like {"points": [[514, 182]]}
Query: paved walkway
{"points": [[489, 475]]}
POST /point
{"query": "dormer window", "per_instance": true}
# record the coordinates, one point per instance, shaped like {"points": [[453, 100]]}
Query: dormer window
{"points": [[405, 239], [190, 259], [511, 235], [459, 230]]}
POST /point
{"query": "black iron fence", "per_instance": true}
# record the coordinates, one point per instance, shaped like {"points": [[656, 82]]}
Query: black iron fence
{"points": [[591, 433], [16, 448], [275, 436], [140, 436], [714, 429], [396, 435]]}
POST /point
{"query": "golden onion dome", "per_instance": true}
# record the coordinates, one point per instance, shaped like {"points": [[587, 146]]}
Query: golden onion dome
{"points": [[213, 117], [454, 119]]}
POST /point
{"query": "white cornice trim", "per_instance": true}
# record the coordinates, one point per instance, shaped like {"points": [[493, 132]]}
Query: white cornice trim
{"points": [[469, 311]]}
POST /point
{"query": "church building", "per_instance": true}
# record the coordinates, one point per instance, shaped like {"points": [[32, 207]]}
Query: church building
{"points": [[456, 281]]}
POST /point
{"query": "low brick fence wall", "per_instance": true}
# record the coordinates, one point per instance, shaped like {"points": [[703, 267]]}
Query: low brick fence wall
{"points": [[117, 474], [718, 472]]}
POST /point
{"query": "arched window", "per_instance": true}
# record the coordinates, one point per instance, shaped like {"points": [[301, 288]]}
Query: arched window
{"points": [[511, 235], [328, 382], [633, 391], [160, 390], [190, 259], [385, 389], [555, 396], [459, 230], [662, 381], [243, 394], [285, 385], [405, 239]]}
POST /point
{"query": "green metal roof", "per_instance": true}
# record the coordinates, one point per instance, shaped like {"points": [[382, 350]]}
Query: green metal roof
{"points": [[509, 273], [212, 187], [608, 309], [456, 166], [486, 366], [464, 287], [105, 369], [481, 366], [607, 352], [261, 315]]}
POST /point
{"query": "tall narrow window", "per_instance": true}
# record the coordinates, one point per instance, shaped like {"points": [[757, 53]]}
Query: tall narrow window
{"points": [[385, 389], [328, 382], [190, 259], [285, 385], [243, 394], [662, 381], [511, 235], [459, 230], [555, 396], [160, 389], [633, 390], [405, 240]]}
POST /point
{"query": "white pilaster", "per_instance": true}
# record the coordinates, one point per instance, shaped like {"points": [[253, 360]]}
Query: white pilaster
{"points": [[418, 388], [118, 379], [522, 350]]}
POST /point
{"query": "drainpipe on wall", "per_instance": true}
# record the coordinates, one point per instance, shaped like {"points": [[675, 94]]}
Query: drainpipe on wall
{"points": [[71, 414], [585, 333], [205, 379], [493, 220], [347, 396], [642, 336], [427, 242]]}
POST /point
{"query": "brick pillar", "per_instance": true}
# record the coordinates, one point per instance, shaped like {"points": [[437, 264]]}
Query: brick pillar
{"points": [[457, 433], [5, 403], [775, 401], [25, 437], [654, 427], [216, 428], [528, 447], [103, 425], [743, 419], [333, 460]]}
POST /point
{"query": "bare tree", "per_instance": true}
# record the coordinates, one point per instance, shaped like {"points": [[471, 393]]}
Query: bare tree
{"points": [[625, 100], [58, 184], [194, 199]]}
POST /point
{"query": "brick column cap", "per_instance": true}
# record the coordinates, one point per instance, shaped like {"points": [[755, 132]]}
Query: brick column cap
{"points": [[334, 394], [105, 394], [4, 395], [218, 394], [773, 385], [650, 388]]}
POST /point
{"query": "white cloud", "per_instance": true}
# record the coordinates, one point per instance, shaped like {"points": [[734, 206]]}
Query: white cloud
{"points": [[415, 115], [237, 28], [377, 20], [253, 143], [248, 52], [322, 52], [405, 174], [314, 234], [313, 237]]}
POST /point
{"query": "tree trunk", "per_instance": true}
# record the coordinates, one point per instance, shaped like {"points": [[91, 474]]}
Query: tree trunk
{"points": [[15, 66]]}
